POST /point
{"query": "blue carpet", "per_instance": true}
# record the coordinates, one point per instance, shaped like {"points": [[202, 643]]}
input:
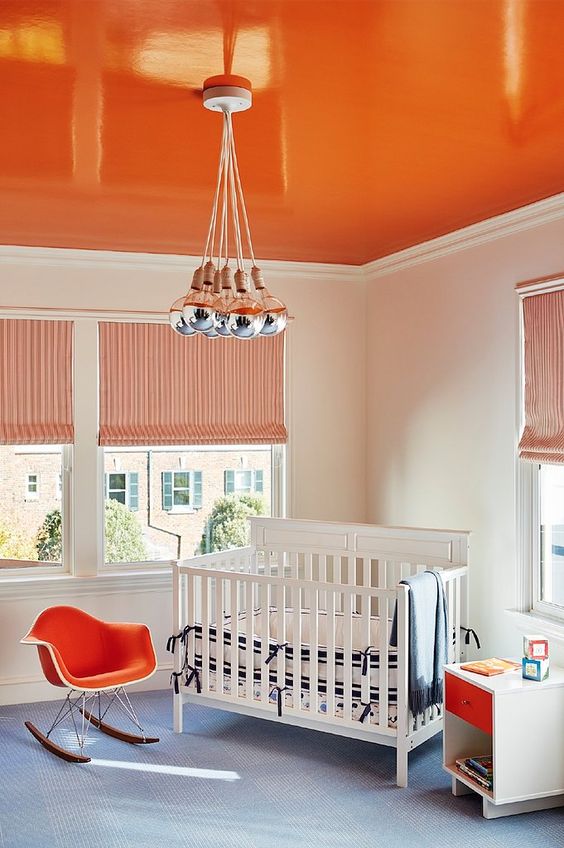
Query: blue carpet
{"points": [[238, 782]]}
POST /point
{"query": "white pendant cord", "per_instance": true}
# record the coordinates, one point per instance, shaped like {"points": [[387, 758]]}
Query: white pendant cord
{"points": [[225, 216], [234, 205], [208, 250], [228, 200], [242, 199], [221, 201]]}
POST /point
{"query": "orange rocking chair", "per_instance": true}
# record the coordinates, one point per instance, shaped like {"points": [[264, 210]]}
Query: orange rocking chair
{"points": [[92, 658]]}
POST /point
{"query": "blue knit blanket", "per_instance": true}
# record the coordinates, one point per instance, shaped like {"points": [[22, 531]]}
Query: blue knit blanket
{"points": [[427, 639]]}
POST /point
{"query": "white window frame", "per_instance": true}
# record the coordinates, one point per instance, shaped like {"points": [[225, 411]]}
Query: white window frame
{"points": [[531, 611], [126, 491], [252, 488], [108, 489], [182, 509], [83, 472], [32, 495]]}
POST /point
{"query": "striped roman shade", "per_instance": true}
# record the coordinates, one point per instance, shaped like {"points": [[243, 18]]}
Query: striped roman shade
{"points": [[543, 325], [158, 388], [36, 382]]}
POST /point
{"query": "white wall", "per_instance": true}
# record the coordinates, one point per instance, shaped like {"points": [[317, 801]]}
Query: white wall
{"points": [[441, 403], [406, 415], [326, 383]]}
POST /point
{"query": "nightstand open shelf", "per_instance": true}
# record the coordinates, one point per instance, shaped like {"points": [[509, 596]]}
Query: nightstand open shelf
{"points": [[519, 724]]}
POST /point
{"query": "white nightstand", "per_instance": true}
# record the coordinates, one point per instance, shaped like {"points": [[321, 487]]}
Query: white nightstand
{"points": [[521, 724]]}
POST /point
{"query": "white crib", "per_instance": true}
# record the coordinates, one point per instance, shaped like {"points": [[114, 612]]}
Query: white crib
{"points": [[308, 599]]}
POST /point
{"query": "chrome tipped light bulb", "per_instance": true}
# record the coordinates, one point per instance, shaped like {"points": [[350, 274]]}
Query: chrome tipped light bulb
{"points": [[176, 319], [223, 300], [198, 306], [275, 312], [216, 291], [245, 316]]}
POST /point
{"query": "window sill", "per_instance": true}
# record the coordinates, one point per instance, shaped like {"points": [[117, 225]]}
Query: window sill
{"points": [[181, 510], [531, 622], [66, 585]]}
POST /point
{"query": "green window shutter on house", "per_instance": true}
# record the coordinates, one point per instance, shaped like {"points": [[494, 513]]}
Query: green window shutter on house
{"points": [[197, 489], [106, 484], [166, 479], [259, 485], [229, 477], [133, 491]]}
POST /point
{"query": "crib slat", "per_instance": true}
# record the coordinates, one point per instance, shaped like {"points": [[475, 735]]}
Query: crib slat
{"points": [[264, 642], [322, 561], [219, 634], [313, 649], [347, 654], [281, 636], [365, 642], [297, 647], [234, 653], [383, 659], [294, 564], [450, 618], [308, 566], [330, 642], [205, 635], [403, 713], [382, 584], [249, 647], [191, 615], [382, 573], [366, 571], [337, 580], [457, 619]]}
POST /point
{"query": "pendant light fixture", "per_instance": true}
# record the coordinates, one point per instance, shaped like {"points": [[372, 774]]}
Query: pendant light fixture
{"points": [[223, 302]]}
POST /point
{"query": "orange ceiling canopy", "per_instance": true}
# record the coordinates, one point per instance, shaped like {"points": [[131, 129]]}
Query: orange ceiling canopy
{"points": [[376, 124]]}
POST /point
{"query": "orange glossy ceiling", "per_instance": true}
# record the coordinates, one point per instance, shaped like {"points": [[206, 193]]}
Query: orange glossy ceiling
{"points": [[375, 125]]}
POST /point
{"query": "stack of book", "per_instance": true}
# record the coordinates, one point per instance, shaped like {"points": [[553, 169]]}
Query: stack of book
{"points": [[479, 769]]}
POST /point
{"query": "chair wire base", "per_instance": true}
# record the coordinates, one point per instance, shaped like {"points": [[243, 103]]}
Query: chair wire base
{"points": [[79, 706]]}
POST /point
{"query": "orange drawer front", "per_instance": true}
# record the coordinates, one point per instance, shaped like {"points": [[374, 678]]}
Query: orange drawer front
{"points": [[469, 702]]}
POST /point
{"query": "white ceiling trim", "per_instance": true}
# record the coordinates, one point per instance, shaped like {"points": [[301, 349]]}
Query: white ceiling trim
{"points": [[61, 257], [500, 226]]}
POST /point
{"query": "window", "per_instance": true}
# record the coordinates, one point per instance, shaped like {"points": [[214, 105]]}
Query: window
{"points": [[32, 487], [33, 516], [179, 508], [245, 481], [551, 532], [124, 488], [181, 490], [135, 505], [541, 458]]}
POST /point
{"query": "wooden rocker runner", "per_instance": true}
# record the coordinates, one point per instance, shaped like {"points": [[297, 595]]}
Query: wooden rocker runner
{"points": [[95, 660]]}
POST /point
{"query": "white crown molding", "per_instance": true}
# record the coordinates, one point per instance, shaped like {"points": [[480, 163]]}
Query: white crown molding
{"points": [[61, 257], [500, 226]]}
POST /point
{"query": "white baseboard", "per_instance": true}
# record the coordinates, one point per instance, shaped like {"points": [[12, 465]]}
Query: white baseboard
{"points": [[30, 690]]}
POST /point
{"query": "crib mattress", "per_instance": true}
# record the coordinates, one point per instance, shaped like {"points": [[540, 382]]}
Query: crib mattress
{"points": [[359, 711], [295, 662]]}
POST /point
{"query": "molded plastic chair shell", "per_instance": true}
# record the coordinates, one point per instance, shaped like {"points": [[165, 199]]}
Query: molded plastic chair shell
{"points": [[81, 652]]}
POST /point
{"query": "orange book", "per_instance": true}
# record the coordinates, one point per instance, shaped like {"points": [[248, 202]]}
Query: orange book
{"points": [[491, 666]]}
